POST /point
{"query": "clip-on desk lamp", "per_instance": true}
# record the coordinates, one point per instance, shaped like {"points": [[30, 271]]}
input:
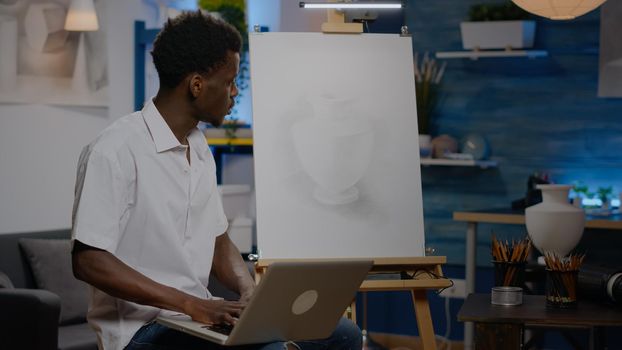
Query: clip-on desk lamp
{"points": [[336, 22]]}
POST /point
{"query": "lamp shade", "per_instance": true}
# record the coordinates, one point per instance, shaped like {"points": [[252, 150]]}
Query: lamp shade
{"points": [[81, 16], [559, 9]]}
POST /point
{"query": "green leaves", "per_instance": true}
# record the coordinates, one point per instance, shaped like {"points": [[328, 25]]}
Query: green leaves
{"points": [[497, 12]]}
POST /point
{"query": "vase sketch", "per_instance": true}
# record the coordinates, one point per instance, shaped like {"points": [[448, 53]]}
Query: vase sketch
{"points": [[555, 225], [335, 149], [8, 48]]}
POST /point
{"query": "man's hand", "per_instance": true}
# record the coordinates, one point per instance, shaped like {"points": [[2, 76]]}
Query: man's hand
{"points": [[230, 269], [245, 298], [215, 311]]}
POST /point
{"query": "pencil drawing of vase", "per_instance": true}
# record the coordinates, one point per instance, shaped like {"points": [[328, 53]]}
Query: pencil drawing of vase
{"points": [[335, 149]]}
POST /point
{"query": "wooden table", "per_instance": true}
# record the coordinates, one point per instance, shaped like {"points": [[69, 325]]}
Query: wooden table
{"points": [[502, 327], [511, 217]]}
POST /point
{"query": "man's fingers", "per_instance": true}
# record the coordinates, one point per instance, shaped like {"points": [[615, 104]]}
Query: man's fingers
{"points": [[228, 319], [220, 311], [235, 306]]}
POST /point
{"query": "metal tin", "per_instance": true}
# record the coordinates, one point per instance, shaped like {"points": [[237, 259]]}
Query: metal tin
{"points": [[506, 296]]}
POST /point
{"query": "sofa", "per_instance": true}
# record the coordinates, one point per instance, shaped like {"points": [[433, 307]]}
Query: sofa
{"points": [[42, 306], [30, 315]]}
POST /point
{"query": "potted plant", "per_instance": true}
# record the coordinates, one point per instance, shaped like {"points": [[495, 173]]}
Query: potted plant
{"points": [[497, 26], [428, 76], [605, 194], [581, 191]]}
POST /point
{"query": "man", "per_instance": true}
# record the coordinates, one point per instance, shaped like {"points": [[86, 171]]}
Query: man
{"points": [[148, 223]]}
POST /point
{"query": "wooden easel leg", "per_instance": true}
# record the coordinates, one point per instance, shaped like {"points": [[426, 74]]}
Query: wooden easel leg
{"points": [[424, 319]]}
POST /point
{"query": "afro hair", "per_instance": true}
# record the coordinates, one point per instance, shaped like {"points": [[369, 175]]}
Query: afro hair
{"points": [[192, 42]]}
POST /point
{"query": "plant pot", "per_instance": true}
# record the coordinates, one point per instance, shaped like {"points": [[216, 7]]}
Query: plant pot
{"points": [[555, 225], [497, 34]]}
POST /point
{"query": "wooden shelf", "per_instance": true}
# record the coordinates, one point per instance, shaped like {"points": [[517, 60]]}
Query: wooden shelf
{"points": [[241, 141], [389, 285], [247, 141], [475, 54], [455, 162]]}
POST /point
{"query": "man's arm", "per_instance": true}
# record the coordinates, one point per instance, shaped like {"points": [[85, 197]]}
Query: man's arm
{"points": [[230, 268], [112, 276]]}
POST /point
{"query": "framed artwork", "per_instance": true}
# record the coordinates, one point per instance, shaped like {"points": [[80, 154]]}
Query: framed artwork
{"points": [[610, 66], [41, 62]]}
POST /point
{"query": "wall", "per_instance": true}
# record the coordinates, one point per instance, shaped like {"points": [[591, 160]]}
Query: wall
{"points": [[39, 145], [538, 114]]}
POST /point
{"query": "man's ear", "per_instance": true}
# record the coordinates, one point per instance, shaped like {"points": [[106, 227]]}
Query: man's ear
{"points": [[195, 84]]}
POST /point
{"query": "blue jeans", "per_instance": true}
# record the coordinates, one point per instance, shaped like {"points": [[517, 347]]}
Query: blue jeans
{"points": [[154, 336]]}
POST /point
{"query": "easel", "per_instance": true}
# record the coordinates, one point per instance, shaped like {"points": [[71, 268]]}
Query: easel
{"points": [[419, 274], [423, 273]]}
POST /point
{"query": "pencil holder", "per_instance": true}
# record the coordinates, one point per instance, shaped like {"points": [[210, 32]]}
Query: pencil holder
{"points": [[561, 289], [509, 274]]}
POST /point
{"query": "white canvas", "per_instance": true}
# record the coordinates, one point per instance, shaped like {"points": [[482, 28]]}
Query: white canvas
{"points": [[337, 169]]}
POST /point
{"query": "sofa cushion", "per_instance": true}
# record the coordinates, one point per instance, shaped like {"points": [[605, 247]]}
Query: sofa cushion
{"points": [[5, 281], [50, 261], [77, 337]]}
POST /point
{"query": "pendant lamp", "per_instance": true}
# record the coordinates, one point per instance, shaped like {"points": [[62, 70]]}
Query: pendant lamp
{"points": [[559, 9]]}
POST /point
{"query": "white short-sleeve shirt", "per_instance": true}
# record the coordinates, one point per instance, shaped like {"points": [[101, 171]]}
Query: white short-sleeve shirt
{"points": [[138, 198]]}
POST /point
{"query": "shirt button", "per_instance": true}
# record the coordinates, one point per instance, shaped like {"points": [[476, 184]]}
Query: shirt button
{"points": [[186, 170]]}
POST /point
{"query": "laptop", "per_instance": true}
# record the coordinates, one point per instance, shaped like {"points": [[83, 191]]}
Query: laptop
{"points": [[298, 300]]}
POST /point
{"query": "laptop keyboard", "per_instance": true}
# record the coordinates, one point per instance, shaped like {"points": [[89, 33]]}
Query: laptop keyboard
{"points": [[220, 328]]}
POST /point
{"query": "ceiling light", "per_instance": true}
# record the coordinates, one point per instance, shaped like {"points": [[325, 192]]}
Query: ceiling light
{"points": [[559, 9]]}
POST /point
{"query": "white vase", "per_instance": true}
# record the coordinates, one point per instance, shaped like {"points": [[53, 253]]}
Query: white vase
{"points": [[425, 145], [555, 225], [335, 149]]}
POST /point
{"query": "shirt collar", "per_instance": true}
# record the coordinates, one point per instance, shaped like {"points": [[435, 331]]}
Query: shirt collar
{"points": [[163, 136], [197, 140]]}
